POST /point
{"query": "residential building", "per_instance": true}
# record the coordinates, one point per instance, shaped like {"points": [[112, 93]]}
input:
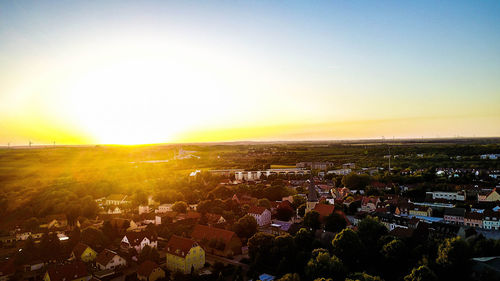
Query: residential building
{"points": [[369, 204], [261, 215], [491, 220], [116, 199], [150, 271], [419, 210], [204, 234], [454, 215], [163, 208], [184, 255], [447, 195], [76, 271], [488, 196], [144, 209], [83, 252], [139, 240], [474, 219], [108, 259]]}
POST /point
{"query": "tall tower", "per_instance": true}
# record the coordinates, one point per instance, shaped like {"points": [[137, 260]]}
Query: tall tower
{"points": [[312, 196]]}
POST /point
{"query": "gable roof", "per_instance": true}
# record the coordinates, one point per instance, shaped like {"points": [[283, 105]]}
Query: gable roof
{"points": [[202, 231], [256, 210], [135, 238], [474, 216], [105, 257], [401, 232], [79, 249], [179, 246], [66, 272], [324, 209], [146, 268]]}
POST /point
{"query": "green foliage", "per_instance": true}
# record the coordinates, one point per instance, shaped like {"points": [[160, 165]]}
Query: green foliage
{"points": [[298, 200], [362, 276], [348, 247], [453, 254], [264, 202], [284, 213], [180, 207], [422, 273], [335, 222], [355, 181], [289, 277], [246, 227], [322, 264], [311, 220], [301, 210]]}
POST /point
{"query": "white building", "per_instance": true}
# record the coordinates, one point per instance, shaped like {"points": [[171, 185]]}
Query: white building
{"points": [[139, 240], [447, 195], [261, 215], [163, 208], [108, 259], [144, 209]]}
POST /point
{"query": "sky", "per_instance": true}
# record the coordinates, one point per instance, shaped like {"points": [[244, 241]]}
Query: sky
{"points": [[137, 72]]}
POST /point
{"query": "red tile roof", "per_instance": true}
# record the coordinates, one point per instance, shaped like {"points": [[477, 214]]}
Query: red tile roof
{"points": [[201, 232], [179, 246], [146, 268], [66, 272], [256, 210], [324, 209]]}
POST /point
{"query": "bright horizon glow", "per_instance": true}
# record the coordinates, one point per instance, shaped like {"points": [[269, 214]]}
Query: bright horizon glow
{"points": [[123, 72]]}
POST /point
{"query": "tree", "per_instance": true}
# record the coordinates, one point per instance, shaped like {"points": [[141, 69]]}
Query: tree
{"points": [[290, 277], [362, 276], [422, 273], [259, 247], [32, 224], [323, 265], [284, 212], [301, 210], [180, 207], [370, 230], [453, 256], [246, 227], [264, 202], [311, 220], [298, 200], [141, 198], [355, 181], [395, 253], [348, 247], [335, 222]]}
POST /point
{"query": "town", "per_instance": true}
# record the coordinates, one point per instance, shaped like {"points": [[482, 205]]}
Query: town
{"points": [[353, 211]]}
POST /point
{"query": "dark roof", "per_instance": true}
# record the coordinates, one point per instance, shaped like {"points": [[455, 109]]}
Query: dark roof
{"points": [[79, 249], [66, 272], [105, 257], [135, 238], [324, 209], [474, 216], [179, 246], [311, 195], [402, 232], [456, 212], [146, 268]]}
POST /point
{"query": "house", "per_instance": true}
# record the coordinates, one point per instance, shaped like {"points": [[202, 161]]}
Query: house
{"points": [[163, 208], [83, 252], [491, 220], [144, 209], [324, 210], [138, 240], [21, 236], [184, 255], [214, 219], [488, 196], [76, 271], [205, 234], [474, 219], [108, 259], [54, 222], [114, 210], [261, 215], [402, 209], [116, 199], [454, 215], [369, 204], [150, 271], [419, 210]]}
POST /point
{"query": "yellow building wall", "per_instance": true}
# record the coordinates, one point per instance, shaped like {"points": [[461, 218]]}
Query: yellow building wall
{"points": [[195, 258], [88, 255]]}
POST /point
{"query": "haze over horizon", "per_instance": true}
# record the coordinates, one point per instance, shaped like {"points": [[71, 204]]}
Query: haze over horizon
{"points": [[129, 72]]}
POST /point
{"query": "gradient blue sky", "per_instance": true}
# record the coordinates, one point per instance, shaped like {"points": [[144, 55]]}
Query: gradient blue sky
{"points": [[305, 69]]}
